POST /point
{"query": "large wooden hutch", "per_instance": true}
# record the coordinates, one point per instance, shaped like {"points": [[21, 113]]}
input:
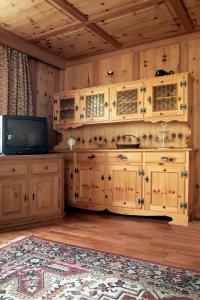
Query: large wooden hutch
{"points": [[148, 181]]}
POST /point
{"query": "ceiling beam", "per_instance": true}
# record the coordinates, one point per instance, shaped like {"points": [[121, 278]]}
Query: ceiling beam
{"points": [[182, 13], [67, 8], [118, 11], [13, 41]]}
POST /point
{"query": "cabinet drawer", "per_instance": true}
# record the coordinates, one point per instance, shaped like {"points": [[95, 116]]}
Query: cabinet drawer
{"points": [[124, 157], [44, 167], [91, 157], [7, 169], [165, 157]]}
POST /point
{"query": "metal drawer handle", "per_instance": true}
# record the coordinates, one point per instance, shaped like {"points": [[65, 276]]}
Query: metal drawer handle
{"points": [[166, 158], [91, 156], [123, 157]]}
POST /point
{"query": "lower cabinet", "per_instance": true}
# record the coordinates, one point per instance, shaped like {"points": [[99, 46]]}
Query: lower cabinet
{"points": [[45, 195], [34, 195], [164, 188], [125, 186], [13, 199], [90, 184], [135, 183]]}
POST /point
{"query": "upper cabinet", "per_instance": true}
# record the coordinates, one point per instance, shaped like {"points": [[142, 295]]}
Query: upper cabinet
{"points": [[167, 98], [126, 101], [164, 98], [93, 105], [65, 108]]}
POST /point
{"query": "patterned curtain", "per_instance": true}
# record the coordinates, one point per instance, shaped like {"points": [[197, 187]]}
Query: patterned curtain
{"points": [[15, 87]]}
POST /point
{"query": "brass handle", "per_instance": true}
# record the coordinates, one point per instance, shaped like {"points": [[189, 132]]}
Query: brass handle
{"points": [[91, 156], [166, 158], [146, 179], [123, 157], [106, 104], [109, 177], [76, 107], [114, 103]]}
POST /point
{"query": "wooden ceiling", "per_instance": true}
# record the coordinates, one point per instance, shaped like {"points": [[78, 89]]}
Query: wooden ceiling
{"points": [[80, 28]]}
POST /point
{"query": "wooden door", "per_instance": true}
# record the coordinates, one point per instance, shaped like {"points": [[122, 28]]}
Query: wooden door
{"points": [[69, 183], [13, 199], [127, 101], [90, 184], [164, 188], [44, 198], [166, 97], [124, 186], [65, 108], [94, 105]]}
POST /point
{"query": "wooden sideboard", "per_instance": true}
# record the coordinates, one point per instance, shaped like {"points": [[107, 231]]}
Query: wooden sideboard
{"points": [[31, 189], [144, 182]]}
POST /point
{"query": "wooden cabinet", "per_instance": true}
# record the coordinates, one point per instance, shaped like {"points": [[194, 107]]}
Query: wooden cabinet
{"points": [[90, 183], [127, 102], [164, 188], [31, 189], [164, 98], [167, 98], [65, 109], [94, 105], [124, 186], [44, 196], [13, 198], [138, 182]]}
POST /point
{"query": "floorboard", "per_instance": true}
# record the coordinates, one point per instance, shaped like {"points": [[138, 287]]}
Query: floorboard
{"points": [[143, 238]]}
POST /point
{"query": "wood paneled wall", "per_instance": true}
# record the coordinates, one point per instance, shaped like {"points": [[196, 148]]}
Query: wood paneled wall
{"points": [[45, 81], [179, 54]]}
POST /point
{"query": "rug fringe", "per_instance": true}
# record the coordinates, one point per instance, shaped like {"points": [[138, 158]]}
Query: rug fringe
{"points": [[17, 239]]}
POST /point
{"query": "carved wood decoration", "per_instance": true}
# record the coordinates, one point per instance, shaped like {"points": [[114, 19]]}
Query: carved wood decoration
{"points": [[74, 28]]}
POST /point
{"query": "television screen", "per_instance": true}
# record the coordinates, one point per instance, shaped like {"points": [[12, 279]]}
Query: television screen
{"points": [[25, 133]]}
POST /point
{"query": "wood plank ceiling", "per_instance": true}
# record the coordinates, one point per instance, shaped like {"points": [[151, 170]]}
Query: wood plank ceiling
{"points": [[80, 28]]}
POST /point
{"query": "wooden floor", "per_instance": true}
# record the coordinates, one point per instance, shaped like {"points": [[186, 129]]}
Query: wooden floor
{"points": [[148, 239]]}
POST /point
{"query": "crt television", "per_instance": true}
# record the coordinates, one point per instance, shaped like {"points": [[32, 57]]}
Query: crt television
{"points": [[23, 135]]}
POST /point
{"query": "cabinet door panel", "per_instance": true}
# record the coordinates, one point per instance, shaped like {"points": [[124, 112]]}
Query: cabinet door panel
{"points": [[126, 102], [164, 188], [69, 184], [66, 108], [94, 105], [124, 186], [166, 97], [90, 184], [13, 199], [45, 195]]}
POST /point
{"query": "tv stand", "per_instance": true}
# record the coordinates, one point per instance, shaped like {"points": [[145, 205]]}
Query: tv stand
{"points": [[31, 190]]}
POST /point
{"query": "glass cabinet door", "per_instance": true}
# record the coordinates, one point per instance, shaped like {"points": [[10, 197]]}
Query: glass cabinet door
{"points": [[94, 105], [166, 97], [65, 108], [127, 102]]}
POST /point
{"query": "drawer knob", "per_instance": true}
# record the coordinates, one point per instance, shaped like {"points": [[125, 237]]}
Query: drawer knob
{"points": [[13, 170], [91, 156], [123, 157], [46, 167]]}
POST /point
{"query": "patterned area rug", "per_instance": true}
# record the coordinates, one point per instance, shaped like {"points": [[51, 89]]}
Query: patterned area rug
{"points": [[32, 268]]}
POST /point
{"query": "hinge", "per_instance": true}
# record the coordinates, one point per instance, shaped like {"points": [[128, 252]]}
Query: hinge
{"points": [[183, 107], [141, 173], [81, 97], [141, 201], [81, 116], [143, 89], [143, 110], [184, 174], [55, 101], [55, 118], [183, 83], [76, 170], [183, 205], [76, 195]]}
